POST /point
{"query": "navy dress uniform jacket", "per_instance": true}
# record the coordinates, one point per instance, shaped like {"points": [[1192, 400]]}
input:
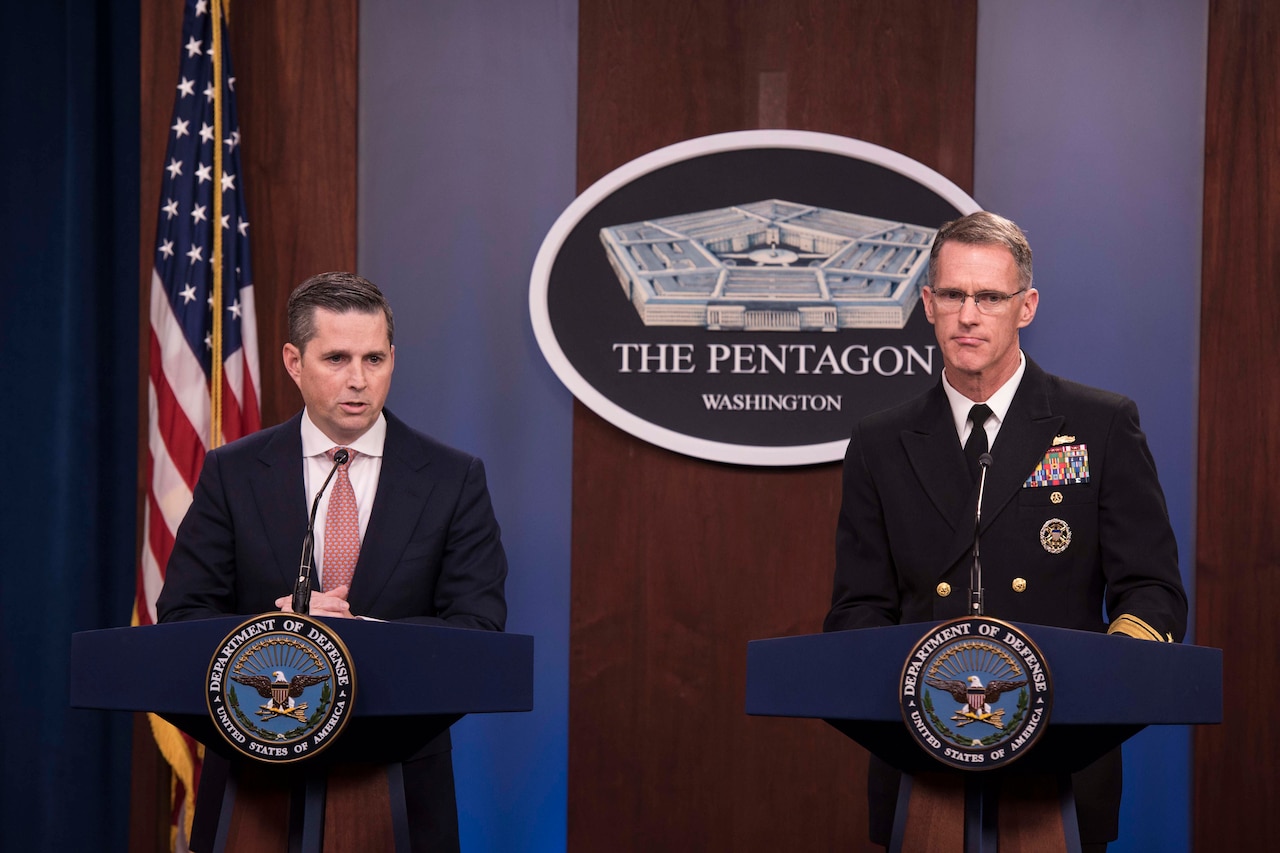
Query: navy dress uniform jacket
{"points": [[906, 528]]}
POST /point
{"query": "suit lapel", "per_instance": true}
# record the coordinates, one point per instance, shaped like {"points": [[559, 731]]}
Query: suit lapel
{"points": [[402, 493], [1025, 435], [938, 460], [281, 497]]}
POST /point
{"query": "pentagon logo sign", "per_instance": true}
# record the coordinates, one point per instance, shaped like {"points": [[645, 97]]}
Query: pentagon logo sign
{"points": [[745, 297], [976, 693], [280, 687]]}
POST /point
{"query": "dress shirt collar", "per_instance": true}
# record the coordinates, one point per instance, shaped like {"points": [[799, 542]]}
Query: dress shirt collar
{"points": [[316, 443], [999, 401]]}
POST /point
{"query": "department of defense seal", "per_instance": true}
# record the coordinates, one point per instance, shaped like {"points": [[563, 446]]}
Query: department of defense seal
{"points": [[280, 687], [975, 693]]}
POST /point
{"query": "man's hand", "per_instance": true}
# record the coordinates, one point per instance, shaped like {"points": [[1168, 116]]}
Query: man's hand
{"points": [[331, 603]]}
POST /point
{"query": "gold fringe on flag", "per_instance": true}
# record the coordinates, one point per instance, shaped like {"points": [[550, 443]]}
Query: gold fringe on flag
{"points": [[173, 748]]}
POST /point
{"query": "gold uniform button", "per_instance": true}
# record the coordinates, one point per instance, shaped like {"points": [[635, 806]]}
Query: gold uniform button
{"points": [[1056, 497], [1019, 585], [944, 589]]}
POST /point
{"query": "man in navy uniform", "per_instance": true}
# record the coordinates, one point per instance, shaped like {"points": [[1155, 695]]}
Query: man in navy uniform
{"points": [[1073, 517]]}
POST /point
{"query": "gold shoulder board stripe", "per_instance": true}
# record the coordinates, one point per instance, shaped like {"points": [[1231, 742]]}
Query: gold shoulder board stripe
{"points": [[1132, 626]]}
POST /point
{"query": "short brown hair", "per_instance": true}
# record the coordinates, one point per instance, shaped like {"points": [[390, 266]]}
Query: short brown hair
{"points": [[985, 229], [339, 292]]}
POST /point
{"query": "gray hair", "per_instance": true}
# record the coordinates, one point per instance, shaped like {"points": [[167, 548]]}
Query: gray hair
{"points": [[985, 229]]}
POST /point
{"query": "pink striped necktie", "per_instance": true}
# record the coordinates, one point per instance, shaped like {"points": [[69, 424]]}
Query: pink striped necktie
{"points": [[341, 529]]}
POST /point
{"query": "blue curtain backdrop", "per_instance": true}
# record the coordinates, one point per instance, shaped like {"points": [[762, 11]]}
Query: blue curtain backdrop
{"points": [[68, 346]]}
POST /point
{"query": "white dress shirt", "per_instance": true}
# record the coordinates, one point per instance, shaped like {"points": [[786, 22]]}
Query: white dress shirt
{"points": [[999, 403], [364, 471]]}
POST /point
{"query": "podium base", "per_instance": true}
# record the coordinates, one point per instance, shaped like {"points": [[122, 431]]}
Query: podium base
{"points": [[345, 808], [952, 813]]}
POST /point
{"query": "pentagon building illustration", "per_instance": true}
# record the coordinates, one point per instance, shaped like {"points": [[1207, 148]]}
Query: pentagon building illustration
{"points": [[771, 266]]}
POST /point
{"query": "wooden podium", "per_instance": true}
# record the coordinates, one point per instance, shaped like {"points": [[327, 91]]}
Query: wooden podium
{"points": [[412, 683], [1106, 689]]}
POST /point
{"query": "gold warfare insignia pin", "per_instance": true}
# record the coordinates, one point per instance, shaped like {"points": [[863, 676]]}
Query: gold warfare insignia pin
{"points": [[1055, 535], [1062, 439]]}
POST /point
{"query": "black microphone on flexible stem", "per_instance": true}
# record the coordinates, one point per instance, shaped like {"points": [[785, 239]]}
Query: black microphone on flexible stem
{"points": [[302, 587], [976, 605]]}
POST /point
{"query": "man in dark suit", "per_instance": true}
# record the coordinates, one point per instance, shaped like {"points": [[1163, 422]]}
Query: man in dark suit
{"points": [[417, 530], [1051, 554]]}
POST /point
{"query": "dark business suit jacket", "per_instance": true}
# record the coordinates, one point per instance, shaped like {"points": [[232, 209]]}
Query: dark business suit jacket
{"points": [[432, 552], [907, 525]]}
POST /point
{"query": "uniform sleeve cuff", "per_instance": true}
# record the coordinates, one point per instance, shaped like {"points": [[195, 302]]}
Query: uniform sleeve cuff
{"points": [[1132, 626]]}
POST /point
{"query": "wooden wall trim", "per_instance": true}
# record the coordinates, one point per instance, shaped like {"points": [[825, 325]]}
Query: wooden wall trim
{"points": [[1236, 773], [160, 25], [298, 67]]}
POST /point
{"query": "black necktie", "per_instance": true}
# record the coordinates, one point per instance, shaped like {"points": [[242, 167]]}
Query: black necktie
{"points": [[977, 443]]}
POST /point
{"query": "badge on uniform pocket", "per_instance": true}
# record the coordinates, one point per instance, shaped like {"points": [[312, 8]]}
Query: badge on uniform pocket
{"points": [[1055, 535]]}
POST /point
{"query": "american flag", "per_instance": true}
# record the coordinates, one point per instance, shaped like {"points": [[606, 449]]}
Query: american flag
{"points": [[201, 303]]}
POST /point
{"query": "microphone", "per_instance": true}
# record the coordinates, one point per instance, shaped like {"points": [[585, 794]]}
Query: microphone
{"points": [[976, 604], [302, 587]]}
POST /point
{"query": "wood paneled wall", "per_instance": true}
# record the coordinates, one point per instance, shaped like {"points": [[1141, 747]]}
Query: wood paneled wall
{"points": [[678, 563], [296, 74], [1237, 764]]}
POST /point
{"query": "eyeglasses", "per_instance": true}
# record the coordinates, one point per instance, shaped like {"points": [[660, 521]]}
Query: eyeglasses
{"points": [[949, 300]]}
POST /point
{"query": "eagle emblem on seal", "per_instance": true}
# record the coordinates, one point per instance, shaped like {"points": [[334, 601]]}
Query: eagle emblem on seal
{"points": [[280, 693], [975, 699]]}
